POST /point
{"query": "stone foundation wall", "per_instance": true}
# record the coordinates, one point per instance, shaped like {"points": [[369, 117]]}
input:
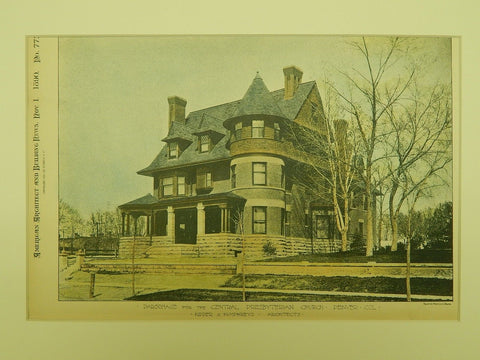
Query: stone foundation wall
{"points": [[125, 247], [219, 245], [226, 245]]}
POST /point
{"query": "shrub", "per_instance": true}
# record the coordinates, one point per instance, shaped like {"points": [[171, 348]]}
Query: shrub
{"points": [[269, 249], [358, 242]]}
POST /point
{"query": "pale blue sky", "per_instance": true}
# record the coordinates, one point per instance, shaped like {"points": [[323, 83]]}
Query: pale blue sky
{"points": [[113, 96]]}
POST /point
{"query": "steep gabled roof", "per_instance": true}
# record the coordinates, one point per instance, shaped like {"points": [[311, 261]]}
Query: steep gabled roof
{"points": [[291, 107], [179, 131], [257, 100]]}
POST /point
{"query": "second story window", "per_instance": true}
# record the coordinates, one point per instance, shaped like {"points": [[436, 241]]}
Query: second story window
{"points": [[168, 186], [204, 143], [208, 179], [234, 176], [173, 150], [181, 185], [204, 180], [238, 131], [258, 129], [259, 173], [276, 131]]}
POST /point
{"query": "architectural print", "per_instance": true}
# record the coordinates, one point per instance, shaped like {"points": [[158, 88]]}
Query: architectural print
{"points": [[322, 175]]}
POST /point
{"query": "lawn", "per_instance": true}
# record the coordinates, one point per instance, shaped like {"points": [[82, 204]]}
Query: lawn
{"points": [[417, 256], [379, 285]]}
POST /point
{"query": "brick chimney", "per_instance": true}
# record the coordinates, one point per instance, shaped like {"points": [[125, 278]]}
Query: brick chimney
{"points": [[176, 110], [293, 78]]}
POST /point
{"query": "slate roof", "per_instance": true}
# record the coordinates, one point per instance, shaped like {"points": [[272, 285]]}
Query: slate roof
{"points": [[257, 100], [144, 200]]}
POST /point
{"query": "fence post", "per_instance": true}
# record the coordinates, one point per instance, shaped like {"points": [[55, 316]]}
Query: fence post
{"points": [[92, 285]]}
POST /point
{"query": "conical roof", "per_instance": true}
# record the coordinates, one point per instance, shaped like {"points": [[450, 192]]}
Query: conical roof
{"points": [[258, 101]]}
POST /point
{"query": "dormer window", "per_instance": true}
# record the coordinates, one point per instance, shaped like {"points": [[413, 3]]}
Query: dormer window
{"points": [[173, 150], [204, 141], [258, 128], [238, 130]]}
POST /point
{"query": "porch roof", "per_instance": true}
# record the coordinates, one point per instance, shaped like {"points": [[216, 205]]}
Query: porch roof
{"points": [[151, 202]]}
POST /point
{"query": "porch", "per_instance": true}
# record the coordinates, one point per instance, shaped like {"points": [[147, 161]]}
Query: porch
{"points": [[176, 226]]}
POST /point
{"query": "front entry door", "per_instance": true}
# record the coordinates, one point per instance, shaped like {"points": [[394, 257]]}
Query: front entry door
{"points": [[186, 226]]}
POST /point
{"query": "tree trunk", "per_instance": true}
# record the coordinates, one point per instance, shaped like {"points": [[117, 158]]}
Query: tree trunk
{"points": [[391, 211], [369, 250], [133, 256], [409, 293], [344, 241], [394, 233], [380, 224]]}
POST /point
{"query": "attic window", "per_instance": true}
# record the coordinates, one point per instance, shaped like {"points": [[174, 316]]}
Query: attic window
{"points": [[238, 130], [204, 143], [276, 128], [258, 129], [173, 150]]}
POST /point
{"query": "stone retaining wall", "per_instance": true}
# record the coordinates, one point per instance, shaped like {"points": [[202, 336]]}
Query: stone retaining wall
{"points": [[195, 269], [441, 271], [226, 245]]}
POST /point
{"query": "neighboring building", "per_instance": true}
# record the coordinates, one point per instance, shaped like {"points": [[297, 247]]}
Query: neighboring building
{"points": [[225, 177]]}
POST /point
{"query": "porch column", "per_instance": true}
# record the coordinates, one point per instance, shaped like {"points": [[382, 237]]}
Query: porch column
{"points": [[147, 230], [224, 218], [171, 222], [128, 224], [135, 222], [152, 223], [200, 219], [227, 220], [123, 224]]}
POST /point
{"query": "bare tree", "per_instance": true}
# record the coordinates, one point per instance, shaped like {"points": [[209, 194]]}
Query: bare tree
{"points": [[420, 146], [70, 222], [411, 232], [239, 220], [328, 171], [373, 91]]}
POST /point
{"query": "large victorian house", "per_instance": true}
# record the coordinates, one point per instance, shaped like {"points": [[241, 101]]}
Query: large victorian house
{"points": [[224, 181]]}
